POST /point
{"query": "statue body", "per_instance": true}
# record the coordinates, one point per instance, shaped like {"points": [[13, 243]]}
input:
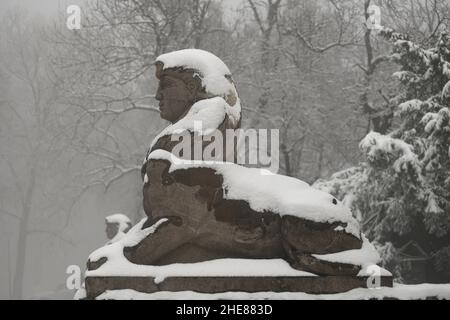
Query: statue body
{"points": [[202, 222], [203, 225]]}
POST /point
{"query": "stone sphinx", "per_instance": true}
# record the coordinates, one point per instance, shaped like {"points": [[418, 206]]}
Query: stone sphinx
{"points": [[200, 211], [117, 225]]}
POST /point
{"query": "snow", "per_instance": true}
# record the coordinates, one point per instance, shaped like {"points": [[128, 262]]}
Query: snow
{"points": [[114, 251], [123, 223], [212, 70], [376, 145], [429, 120], [373, 270], [122, 220], [80, 294], [436, 121], [446, 91], [212, 268], [405, 76], [401, 292], [118, 265], [119, 235], [409, 106], [343, 184], [365, 256], [376, 141], [432, 205], [214, 74], [204, 117], [271, 192], [446, 69]]}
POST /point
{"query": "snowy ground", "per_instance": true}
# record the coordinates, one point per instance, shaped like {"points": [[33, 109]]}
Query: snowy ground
{"points": [[402, 292]]}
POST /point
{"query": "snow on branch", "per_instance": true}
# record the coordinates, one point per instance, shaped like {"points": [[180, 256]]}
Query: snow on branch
{"points": [[378, 147]]}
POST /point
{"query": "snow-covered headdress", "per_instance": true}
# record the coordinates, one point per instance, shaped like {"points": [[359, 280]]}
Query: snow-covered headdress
{"points": [[121, 220], [214, 75]]}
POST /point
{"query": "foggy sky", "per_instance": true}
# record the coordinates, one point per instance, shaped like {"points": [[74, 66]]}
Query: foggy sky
{"points": [[50, 8]]}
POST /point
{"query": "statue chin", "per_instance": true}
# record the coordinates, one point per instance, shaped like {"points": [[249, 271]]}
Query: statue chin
{"points": [[163, 116], [169, 113]]}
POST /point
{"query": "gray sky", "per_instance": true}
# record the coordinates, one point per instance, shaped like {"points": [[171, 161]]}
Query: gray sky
{"points": [[48, 8], [41, 7]]}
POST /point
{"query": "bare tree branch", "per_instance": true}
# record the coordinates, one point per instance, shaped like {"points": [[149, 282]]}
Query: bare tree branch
{"points": [[51, 233], [119, 111], [9, 214]]}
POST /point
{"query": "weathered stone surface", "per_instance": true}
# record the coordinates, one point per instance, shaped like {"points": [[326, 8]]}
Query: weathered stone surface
{"points": [[203, 226], [97, 285], [313, 285]]}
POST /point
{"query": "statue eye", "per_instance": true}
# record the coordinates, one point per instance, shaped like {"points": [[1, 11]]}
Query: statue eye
{"points": [[168, 83], [335, 201]]}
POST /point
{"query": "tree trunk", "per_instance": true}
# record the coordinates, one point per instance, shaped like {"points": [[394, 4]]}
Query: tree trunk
{"points": [[22, 241], [287, 160], [20, 260]]}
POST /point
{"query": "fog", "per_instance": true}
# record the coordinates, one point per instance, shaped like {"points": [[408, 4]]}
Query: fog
{"points": [[72, 139]]}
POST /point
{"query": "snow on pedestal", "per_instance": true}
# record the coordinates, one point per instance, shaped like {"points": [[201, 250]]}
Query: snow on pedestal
{"points": [[117, 265], [401, 292]]}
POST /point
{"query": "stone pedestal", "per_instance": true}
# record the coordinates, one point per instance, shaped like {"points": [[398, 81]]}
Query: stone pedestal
{"points": [[307, 284]]}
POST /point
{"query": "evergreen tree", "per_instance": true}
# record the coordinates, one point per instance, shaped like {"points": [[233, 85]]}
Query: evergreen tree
{"points": [[402, 193]]}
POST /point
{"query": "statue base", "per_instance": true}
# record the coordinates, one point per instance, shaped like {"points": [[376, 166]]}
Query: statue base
{"points": [[224, 275], [312, 285], [109, 270]]}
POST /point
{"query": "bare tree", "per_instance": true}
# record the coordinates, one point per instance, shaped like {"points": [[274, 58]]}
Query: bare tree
{"points": [[31, 145], [286, 87], [421, 19], [103, 71]]}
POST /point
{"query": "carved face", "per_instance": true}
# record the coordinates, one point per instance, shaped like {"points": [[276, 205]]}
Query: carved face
{"points": [[175, 96]]}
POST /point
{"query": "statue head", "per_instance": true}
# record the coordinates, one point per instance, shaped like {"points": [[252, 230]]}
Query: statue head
{"points": [[188, 76], [177, 91]]}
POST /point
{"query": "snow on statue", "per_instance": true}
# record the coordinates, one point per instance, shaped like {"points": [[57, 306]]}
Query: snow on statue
{"points": [[117, 225], [200, 211]]}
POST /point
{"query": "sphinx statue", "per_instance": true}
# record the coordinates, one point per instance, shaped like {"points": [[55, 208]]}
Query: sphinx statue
{"points": [[117, 225], [199, 211]]}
